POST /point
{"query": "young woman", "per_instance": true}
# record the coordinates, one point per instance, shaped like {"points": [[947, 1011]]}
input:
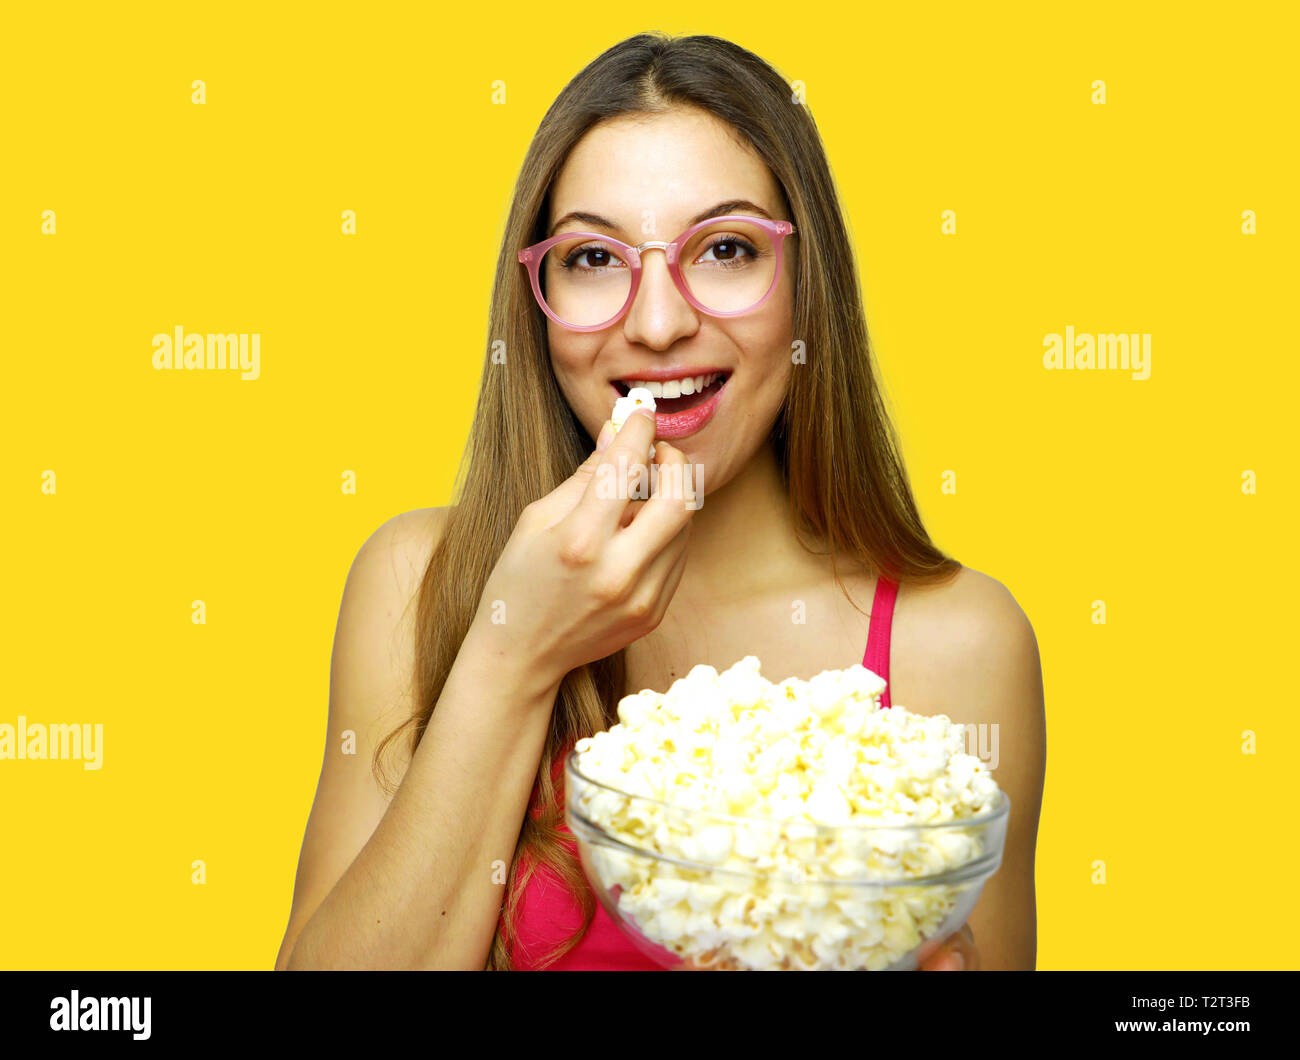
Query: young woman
{"points": [[509, 625]]}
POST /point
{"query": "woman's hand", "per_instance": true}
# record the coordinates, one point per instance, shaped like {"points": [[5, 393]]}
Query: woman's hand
{"points": [[588, 568], [956, 953]]}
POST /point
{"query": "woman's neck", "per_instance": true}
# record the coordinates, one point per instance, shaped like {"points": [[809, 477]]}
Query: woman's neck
{"points": [[743, 540]]}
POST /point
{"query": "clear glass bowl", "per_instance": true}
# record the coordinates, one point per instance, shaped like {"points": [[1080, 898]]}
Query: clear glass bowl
{"points": [[713, 890]]}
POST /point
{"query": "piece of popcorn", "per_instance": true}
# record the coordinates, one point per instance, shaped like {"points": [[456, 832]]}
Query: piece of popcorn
{"points": [[637, 397]]}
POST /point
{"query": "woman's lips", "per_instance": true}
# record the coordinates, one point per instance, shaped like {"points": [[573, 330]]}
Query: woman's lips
{"points": [[669, 425]]}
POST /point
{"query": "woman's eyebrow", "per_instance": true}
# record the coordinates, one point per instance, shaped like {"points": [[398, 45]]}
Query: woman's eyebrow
{"points": [[719, 210]]}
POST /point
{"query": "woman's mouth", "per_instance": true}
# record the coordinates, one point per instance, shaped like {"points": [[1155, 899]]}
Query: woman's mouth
{"points": [[678, 413]]}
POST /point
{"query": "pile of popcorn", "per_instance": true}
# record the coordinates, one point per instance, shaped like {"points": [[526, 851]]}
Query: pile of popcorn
{"points": [[751, 820]]}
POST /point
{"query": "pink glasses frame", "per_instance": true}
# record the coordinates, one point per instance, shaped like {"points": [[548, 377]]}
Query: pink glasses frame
{"points": [[532, 257]]}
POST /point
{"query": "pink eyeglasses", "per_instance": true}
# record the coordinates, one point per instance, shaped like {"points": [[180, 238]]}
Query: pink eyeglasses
{"points": [[586, 281]]}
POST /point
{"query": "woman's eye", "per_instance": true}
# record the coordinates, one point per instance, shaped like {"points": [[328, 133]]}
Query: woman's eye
{"points": [[592, 257], [729, 251]]}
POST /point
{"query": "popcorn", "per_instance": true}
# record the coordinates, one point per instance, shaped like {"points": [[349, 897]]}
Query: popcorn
{"points": [[637, 397], [749, 809]]}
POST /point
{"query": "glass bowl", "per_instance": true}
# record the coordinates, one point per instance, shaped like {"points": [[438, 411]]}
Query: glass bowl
{"points": [[710, 890]]}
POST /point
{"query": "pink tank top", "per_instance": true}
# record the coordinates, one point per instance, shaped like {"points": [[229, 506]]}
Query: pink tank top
{"points": [[548, 914]]}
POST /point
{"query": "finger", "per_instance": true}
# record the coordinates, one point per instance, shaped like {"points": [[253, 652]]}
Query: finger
{"points": [[673, 578], [634, 506], [942, 959], [629, 513], [958, 953], [664, 571], [679, 565], [601, 508], [964, 944], [654, 589], [669, 508], [565, 497]]}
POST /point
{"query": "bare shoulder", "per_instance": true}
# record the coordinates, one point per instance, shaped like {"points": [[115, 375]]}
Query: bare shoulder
{"points": [[952, 637], [410, 537], [970, 612], [373, 644]]}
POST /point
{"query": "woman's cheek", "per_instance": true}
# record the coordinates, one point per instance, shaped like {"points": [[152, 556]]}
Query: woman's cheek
{"points": [[570, 378], [776, 383]]}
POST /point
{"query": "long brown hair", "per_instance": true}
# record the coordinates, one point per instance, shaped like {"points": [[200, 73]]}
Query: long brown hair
{"points": [[833, 439]]}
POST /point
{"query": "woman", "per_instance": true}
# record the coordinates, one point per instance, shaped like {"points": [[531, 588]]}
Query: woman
{"points": [[543, 598]]}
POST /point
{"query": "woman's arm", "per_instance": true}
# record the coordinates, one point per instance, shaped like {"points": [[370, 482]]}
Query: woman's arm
{"points": [[980, 666], [584, 581], [1009, 694], [410, 884]]}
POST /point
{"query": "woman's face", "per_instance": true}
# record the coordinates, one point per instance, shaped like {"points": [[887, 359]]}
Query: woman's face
{"points": [[650, 177]]}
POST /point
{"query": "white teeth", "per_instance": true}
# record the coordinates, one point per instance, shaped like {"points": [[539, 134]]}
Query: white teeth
{"points": [[674, 387]]}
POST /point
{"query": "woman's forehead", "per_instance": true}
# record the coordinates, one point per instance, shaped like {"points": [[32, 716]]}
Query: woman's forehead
{"points": [[659, 171]]}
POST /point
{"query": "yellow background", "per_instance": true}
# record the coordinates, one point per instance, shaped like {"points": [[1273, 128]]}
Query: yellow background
{"points": [[1072, 486]]}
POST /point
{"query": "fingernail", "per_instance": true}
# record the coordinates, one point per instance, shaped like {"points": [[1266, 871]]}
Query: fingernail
{"points": [[606, 436], [958, 960]]}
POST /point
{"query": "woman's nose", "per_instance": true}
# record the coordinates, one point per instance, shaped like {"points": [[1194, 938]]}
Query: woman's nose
{"points": [[659, 315]]}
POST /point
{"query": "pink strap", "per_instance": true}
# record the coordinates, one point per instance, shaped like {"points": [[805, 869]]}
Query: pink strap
{"points": [[876, 658]]}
